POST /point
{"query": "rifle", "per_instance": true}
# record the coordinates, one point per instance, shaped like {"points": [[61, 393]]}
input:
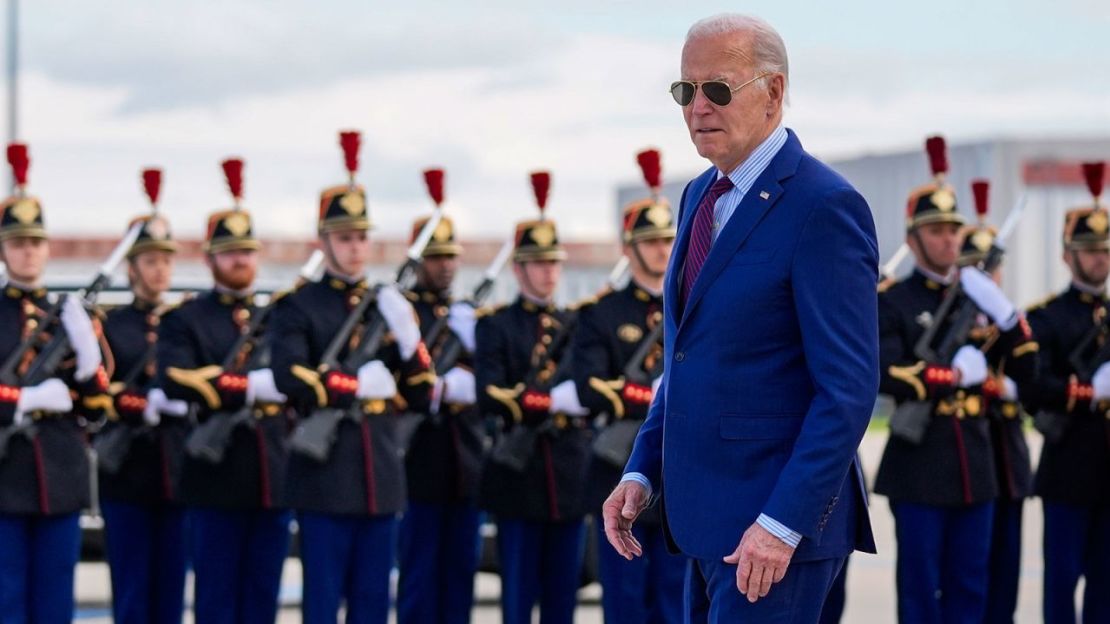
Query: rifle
{"points": [[910, 420], [452, 347], [315, 434], [210, 440], [50, 356], [1085, 367]]}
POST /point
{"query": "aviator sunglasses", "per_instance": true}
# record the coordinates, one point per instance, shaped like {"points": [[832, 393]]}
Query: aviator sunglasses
{"points": [[716, 91]]}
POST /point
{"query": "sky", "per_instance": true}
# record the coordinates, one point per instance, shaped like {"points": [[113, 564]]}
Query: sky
{"points": [[491, 90]]}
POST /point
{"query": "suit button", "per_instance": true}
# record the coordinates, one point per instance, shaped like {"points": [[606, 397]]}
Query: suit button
{"points": [[678, 357]]}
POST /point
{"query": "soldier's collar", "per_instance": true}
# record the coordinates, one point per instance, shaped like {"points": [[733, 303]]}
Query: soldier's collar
{"points": [[344, 282], [229, 297], [531, 304], [20, 290], [427, 295], [933, 280], [643, 293], [1087, 293], [144, 305]]}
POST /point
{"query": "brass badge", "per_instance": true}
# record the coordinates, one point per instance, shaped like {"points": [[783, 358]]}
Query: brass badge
{"points": [[943, 199], [1098, 222], [442, 234], [659, 216], [630, 333], [543, 234], [237, 223], [157, 228], [25, 211], [982, 240], [353, 203]]}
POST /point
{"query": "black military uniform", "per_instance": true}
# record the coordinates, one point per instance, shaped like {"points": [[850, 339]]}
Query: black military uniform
{"points": [[611, 331], [44, 469], [140, 453], [1073, 476], [347, 499], [942, 486], [237, 506], [437, 557], [1006, 418], [537, 491]]}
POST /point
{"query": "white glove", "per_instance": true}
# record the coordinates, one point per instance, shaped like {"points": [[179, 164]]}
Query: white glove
{"points": [[82, 338], [262, 388], [1009, 390], [51, 395], [375, 381], [401, 318], [564, 399], [459, 386], [159, 403], [462, 321], [1100, 382], [972, 365], [988, 297]]}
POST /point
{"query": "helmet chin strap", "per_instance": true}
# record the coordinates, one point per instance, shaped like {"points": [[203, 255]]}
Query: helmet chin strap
{"points": [[1080, 274], [932, 266], [644, 264]]}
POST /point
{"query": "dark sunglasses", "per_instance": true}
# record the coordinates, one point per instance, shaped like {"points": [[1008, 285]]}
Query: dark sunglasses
{"points": [[718, 92]]}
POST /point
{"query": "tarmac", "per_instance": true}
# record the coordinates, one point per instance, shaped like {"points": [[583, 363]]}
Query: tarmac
{"points": [[871, 589]]}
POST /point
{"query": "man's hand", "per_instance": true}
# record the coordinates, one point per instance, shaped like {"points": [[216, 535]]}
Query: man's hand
{"points": [[761, 559], [619, 512]]}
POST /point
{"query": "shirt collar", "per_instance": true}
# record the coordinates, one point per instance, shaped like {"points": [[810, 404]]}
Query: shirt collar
{"points": [[943, 280], [745, 174]]}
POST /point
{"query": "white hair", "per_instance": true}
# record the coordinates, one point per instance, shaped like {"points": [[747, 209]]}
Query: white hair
{"points": [[768, 49]]}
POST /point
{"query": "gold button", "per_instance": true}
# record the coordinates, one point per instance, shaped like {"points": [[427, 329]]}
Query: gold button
{"points": [[546, 339], [354, 300], [545, 321], [31, 324]]}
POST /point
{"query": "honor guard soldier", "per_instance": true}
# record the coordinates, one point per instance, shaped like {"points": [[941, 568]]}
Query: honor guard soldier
{"points": [[1005, 416], [141, 448], [439, 532], [348, 485], [233, 474], [44, 470], [1071, 398], [938, 466], [534, 479], [616, 350]]}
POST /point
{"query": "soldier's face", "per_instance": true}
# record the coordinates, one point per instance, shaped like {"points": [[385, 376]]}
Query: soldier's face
{"points": [[349, 251], [438, 272], [234, 269], [150, 273], [538, 278], [726, 135], [1091, 266], [936, 246], [25, 258], [653, 256]]}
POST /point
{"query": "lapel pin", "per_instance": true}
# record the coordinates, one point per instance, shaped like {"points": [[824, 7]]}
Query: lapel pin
{"points": [[764, 194]]}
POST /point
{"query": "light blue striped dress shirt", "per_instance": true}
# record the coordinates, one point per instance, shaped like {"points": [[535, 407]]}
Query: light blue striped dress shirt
{"points": [[743, 177]]}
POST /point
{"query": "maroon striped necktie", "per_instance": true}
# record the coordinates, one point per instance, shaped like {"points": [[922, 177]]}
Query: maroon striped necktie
{"points": [[701, 237]]}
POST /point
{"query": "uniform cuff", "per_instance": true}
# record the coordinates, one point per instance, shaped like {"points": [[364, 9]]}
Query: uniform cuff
{"points": [[774, 527]]}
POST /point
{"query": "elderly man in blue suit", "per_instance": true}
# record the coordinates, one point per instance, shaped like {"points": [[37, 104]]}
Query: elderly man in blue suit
{"points": [[771, 351]]}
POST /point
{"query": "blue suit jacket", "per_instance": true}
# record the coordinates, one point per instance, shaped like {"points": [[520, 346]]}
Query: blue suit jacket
{"points": [[772, 368]]}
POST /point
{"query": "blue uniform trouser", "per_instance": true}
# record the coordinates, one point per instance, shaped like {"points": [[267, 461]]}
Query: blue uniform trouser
{"points": [[646, 590], [438, 558], [237, 561], [712, 597], [346, 558], [146, 557], [943, 555], [38, 555], [539, 561], [1005, 562], [1076, 543]]}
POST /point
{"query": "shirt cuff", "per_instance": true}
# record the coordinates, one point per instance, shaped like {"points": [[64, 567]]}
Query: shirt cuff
{"points": [[638, 478], [778, 529]]}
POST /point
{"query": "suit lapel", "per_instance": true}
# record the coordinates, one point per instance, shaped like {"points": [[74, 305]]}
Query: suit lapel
{"points": [[694, 194], [764, 194]]}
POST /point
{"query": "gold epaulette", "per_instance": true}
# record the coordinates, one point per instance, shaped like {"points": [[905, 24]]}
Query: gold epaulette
{"points": [[489, 310], [588, 301], [411, 296]]}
